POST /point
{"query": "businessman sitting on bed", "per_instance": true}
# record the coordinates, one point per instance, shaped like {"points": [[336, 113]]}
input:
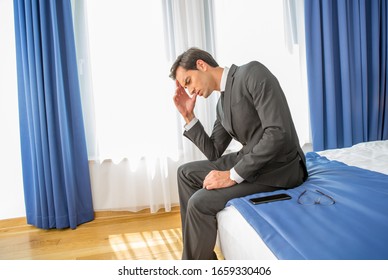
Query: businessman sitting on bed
{"points": [[253, 110]]}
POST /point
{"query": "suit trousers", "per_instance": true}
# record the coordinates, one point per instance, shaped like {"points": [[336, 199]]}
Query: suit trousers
{"points": [[200, 206]]}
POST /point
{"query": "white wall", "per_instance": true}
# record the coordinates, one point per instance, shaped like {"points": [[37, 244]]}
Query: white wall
{"points": [[11, 185]]}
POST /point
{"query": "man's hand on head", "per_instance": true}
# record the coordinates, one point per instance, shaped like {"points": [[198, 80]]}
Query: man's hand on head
{"points": [[184, 103]]}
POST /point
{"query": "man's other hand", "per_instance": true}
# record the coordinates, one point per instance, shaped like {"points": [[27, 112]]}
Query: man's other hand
{"points": [[218, 179]]}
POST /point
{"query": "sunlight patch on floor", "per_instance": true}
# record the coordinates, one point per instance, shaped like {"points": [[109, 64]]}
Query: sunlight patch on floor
{"points": [[138, 245]]}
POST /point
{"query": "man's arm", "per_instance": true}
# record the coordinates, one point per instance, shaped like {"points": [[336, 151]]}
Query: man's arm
{"points": [[212, 147]]}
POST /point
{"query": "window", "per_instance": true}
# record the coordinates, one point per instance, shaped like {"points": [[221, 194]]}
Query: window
{"points": [[132, 90]]}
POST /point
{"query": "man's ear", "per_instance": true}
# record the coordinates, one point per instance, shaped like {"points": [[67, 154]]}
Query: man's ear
{"points": [[202, 65]]}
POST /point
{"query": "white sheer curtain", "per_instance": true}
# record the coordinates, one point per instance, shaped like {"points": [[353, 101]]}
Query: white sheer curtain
{"points": [[188, 24], [135, 140]]}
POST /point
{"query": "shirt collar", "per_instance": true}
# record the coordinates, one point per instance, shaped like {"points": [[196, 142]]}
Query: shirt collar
{"points": [[223, 79]]}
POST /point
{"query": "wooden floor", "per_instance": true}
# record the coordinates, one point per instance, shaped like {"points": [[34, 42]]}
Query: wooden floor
{"points": [[111, 236]]}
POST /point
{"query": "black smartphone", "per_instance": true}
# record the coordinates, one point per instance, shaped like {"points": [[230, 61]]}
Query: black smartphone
{"points": [[269, 198]]}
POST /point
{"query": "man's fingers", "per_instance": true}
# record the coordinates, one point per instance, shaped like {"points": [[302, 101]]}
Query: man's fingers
{"points": [[208, 183]]}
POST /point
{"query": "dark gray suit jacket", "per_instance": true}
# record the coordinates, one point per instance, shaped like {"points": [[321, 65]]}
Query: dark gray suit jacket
{"points": [[254, 111]]}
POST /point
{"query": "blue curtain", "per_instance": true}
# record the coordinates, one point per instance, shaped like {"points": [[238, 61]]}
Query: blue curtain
{"points": [[346, 48], [54, 157]]}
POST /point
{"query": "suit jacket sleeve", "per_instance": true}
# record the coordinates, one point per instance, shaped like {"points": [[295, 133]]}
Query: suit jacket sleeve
{"points": [[215, 145]]}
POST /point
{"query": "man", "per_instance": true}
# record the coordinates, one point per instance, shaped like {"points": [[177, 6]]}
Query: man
{"points": [[253, 110]]}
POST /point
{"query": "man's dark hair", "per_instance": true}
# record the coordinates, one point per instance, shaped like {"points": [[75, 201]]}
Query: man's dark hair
{"points": [[188, 60]]}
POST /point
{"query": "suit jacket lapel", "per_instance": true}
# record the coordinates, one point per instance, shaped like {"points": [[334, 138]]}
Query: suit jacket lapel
{"points": [[227, 100]]}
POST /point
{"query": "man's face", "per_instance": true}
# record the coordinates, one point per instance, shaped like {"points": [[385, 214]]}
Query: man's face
{"points": [[195, 81]]}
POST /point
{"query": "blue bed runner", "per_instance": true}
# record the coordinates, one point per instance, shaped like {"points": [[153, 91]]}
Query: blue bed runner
{"points": [[355, 227]]}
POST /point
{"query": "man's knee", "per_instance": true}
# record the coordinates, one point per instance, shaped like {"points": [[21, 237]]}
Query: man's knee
{"points": [[183, 170], [193, 173], [205, 202]]}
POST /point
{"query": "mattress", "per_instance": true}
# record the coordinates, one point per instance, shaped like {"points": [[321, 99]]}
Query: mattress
{"points": [[238, 239]]}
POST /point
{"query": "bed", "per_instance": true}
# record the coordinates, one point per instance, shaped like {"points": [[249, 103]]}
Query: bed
{"points": [[353, 226]]}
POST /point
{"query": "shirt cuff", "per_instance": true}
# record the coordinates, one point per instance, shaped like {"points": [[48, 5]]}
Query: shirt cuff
{"points": [[191, 124], [235, 177]]}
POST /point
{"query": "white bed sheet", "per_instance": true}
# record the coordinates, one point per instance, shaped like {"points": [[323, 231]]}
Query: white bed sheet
{"points": [[239, 241]]}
